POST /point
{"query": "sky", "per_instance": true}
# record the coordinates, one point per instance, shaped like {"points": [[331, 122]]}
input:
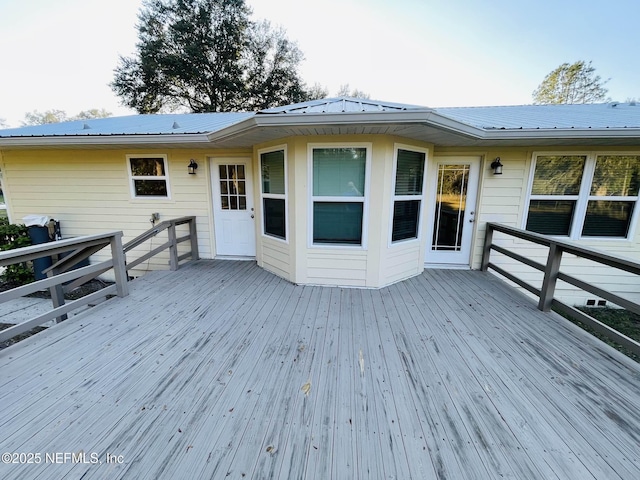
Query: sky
{"points": [[61, 54]]}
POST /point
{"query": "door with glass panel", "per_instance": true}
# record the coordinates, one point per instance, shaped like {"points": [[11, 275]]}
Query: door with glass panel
{"points": [[233, 209], [452, 222]]}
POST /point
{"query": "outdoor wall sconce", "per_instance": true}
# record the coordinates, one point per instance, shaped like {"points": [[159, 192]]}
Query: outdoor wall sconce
{"points": [[497, 166], [193, 166]]}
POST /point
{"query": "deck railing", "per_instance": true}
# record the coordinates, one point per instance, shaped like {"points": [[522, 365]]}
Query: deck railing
{"points": [[552, 273], [61, 278], [81, 248], [172, 242]]}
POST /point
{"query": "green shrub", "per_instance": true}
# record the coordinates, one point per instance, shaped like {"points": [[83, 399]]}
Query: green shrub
{"points": [[15, 236]]}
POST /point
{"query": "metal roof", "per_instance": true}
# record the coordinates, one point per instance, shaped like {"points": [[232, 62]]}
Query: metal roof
{"points": [[601, 124], [342, 105], [531, 117], [160, 124]]}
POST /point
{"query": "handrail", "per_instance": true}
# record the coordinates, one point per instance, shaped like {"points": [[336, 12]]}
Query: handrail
{"points": [[171, 243], [552, 273], [82, 248], [60, 277]]}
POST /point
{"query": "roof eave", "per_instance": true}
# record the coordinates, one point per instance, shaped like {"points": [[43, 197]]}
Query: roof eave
{"points": [[106, 140], [557, 133], [424, 117]]}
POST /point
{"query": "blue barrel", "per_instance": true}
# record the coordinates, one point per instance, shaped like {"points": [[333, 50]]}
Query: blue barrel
{"points": [[40, 235]]}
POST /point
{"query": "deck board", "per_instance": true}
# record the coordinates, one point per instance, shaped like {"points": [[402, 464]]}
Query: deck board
{"points": [[202, 373]]}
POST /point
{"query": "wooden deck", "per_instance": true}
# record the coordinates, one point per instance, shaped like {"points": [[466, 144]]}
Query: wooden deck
{"points": [[222, 370]]}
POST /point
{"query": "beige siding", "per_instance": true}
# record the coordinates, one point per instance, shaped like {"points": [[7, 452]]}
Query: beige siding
{"points": [[403, 261], [337, 267], [275, 257], [88, 191]]}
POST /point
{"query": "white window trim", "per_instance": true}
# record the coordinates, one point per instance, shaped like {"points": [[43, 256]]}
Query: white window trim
{"points": [[394, 197], [583, 197], [132, 177], [368, 146], [279, 196]]}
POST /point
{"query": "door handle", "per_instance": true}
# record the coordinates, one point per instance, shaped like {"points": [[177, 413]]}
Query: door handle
{"points": [[252, 215]]}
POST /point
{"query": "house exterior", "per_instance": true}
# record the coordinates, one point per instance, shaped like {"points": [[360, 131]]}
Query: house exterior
{"points": [[345, 191]]}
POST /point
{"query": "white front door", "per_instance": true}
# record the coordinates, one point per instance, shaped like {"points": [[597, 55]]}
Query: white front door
{"points": [[453, 206], [233, 209]]}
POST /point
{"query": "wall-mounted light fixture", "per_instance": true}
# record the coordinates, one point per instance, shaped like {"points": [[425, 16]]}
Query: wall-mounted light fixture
{"points": [[193, 166], [497, 166]]}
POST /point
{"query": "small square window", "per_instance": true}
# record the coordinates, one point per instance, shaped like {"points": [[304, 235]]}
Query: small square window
{"points": [[149, 177]]}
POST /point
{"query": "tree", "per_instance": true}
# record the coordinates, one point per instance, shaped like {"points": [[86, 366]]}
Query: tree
{"points": [[207, 56], [355, 93], [50, 116], [92, 113], [575, 83], [317, 91], [56, 116]]}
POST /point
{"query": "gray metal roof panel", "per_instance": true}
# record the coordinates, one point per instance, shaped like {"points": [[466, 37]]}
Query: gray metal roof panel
{"points": [[341, 105], [531, 117], [480, 123], [157, 124]]}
